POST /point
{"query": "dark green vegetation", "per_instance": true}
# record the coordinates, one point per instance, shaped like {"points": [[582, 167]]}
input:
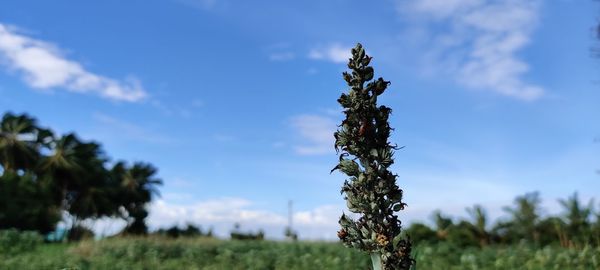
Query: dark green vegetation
{"points": [[44, 175], [366, 155], [25, 251], [237, 234], [189, 231], [577, 226]]}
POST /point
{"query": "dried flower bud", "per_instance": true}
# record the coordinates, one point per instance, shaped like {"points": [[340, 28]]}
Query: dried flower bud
{"points": [[382, 240]]}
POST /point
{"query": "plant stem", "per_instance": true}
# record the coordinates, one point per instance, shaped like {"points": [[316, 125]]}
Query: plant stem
{"points": [[376, 259]]}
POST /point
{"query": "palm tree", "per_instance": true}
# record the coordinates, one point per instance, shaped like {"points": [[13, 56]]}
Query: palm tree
{"points": [[442, 224], [26, 205], [596, 229], [138, 186], [525, 217], [75, 171], [66, 166], [577, 217], [42, 176], [479, 223], [20, 142]]}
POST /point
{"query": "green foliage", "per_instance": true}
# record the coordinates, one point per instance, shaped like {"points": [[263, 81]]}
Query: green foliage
{"points": [[189, 231], [421, 233], [25, 204], [577, 218], [20, 142], [237, 234], [188, 253], [13, 242], [79, 232], [366, 156], [290, 234], [448, 257], [137, 186], [211, 254], [574, 228], [524, 218], [42, 175]]}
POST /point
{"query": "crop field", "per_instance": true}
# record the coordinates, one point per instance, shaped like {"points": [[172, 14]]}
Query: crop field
{"points": [[206, 253]]}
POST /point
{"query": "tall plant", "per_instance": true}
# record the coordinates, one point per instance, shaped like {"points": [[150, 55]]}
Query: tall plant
{"points": [[366, 155]]}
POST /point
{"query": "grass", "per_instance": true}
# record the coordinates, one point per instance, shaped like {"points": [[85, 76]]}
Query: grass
{"points": [[209, 254]]}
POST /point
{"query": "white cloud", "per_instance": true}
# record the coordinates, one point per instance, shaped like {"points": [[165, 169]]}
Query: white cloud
{"points": [[317, 132], [335, 53], [221, 214], [481, 42], [44, 67]]}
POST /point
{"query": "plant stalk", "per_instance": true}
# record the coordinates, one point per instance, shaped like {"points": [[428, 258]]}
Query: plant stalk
{"points": [[376, 259]]}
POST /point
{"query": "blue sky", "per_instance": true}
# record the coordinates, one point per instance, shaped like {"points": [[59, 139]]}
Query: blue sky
{"points": [[235, 101]]}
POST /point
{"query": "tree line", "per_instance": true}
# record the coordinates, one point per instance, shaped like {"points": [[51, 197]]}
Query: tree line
{"points": [[45, 176], [576, 226]]}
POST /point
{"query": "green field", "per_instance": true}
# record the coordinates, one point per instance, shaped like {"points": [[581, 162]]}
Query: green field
{"points": [[203, 253]]}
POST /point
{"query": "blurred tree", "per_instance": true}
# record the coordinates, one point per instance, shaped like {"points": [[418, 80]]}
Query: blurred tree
{"points": [[20, 142], [479, 222], [138, 186], [421, 233], [26, 205], [80, 183], [25, 202], [596, 229], [552, 230], [290, 234], [189, 231], [524, 219], [237, 234], [42, 175], [80, 232], [442, 224], [577, 219], [192, 231], [172, 232], [463, 234]]}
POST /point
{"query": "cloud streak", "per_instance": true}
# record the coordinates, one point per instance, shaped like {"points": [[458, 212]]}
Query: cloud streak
{"points": [[44, 67], [335, 53], [317, 133], [480, 42]]}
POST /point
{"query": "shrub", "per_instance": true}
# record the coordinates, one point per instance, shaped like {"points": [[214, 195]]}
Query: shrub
{"points": [[13, 241]]}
